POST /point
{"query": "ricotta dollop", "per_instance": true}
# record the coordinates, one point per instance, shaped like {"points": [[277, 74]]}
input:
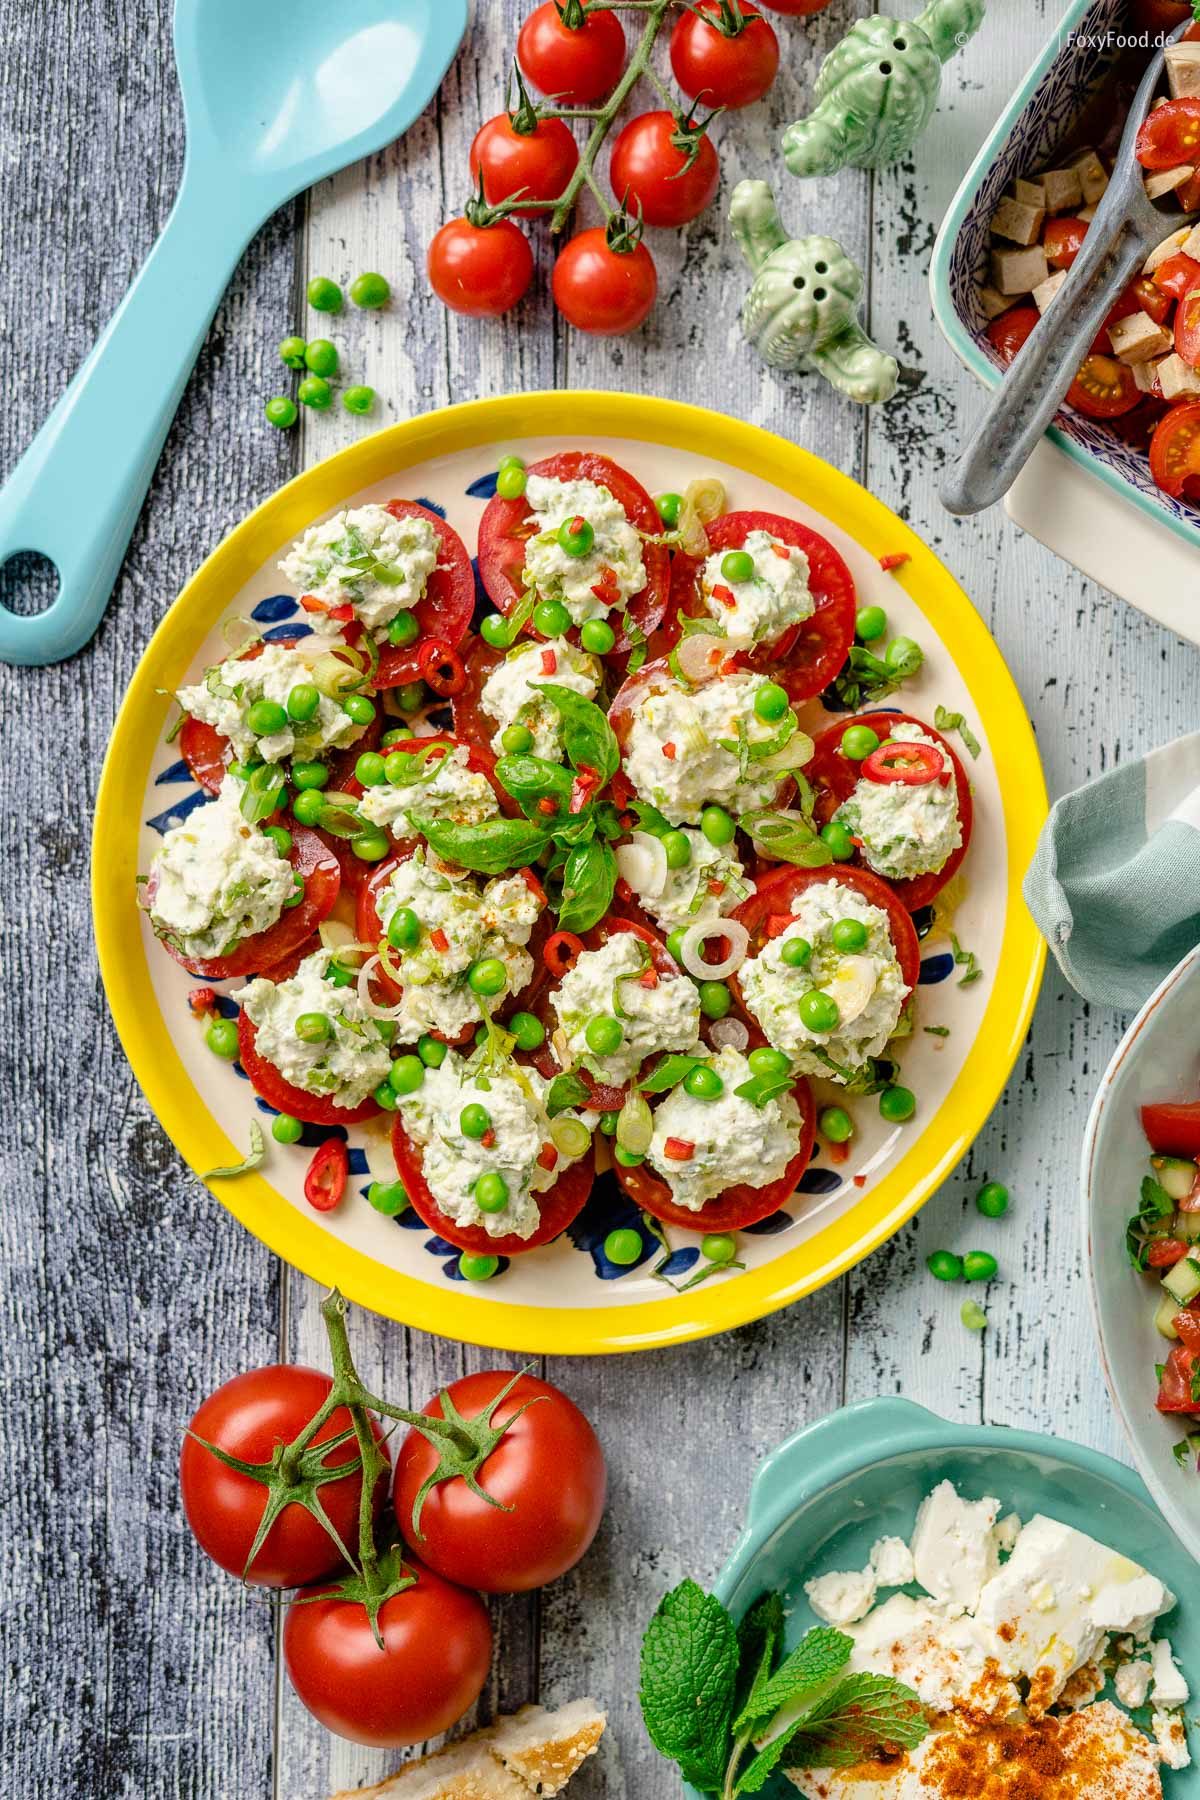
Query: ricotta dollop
{"points": [[665, 1016], [345, 1066], [692, 748], [216, 880], [442, 787], [707, 887], [510, 694], [905, 831], [229, 690], [365, 559], [763, 606], [615, 558], [733, 1141]]}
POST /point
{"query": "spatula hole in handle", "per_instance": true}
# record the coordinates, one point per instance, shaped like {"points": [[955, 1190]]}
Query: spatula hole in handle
{"points": [[28, 584]]}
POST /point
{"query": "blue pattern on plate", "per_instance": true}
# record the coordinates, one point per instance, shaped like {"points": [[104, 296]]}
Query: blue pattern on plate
{"points": [[358, 1162], [172, 774], [228, 1009], [818, 1181], [431, 505], [484, 486], [923, 921], [609, 1208], [680, 1261], [296, 630], [274, 608], [776, 1222], [410, 1220], [175, 815], [936, 968]]}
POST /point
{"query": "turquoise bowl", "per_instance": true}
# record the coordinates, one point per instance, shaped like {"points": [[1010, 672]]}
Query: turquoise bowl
{"points": [[821, 1499]]}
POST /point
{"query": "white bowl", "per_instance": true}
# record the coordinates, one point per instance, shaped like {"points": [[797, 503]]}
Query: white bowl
{"points": [[1158, 1059]]}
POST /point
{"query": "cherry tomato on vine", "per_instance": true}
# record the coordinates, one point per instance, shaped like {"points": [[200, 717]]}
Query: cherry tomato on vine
{"points": [[248, 1418], [436, 1655], [795, 8], [536, 164], [663, 169], [480, 270], [603, 290], [725, 51], [577, 63]]}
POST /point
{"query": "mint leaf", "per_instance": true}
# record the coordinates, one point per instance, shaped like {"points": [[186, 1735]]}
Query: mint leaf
{"points": [[814, 1662], [758, 1635], [689, 1667], [863, 1714]]}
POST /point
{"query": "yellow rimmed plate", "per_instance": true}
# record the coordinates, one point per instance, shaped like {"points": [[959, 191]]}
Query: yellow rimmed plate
{"points": [[567, 1298]]}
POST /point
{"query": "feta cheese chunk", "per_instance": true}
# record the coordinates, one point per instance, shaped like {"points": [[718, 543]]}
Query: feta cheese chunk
{"points": [[364, 559], [868, 989], [953, 1548], [344, 1066], [683, 750], [604, 982], [229, 690], [709, 886], [946, 1657], [1170, 1734], [905, 831], [842, 1599], [216, 880], [1132, 1683], [1170, 1689], [733, 1141], [614, 560], [442, 787], [892, 1561], [1006, 1533], [764, 604], [518, 1134], [510, 693]]}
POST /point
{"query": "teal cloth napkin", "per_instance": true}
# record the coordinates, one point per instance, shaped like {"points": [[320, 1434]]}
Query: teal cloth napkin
{"points": [[1115, 882]]}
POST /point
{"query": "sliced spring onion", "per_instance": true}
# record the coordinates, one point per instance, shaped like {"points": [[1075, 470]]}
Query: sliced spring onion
{"points": [[699, 656], [570, 1137], [642, 862], [694, 939], [239, 634], [704, 500], [787, 837], [364, 993], [635, 1124], [264, 792], [729, 1034], [341, 816], [339, 671]]}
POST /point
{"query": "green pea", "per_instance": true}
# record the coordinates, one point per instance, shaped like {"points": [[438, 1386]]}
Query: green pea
{"points": [[370, 846], [487, 977], [370, 290], [477, 1268], [943, 1265], [771, 702], [398, 767], [796, 953], [222, 1038], [669, 507], [858, 742], [715, 999], [388, 1197], [324, 295], [358, 399], [495, 631], [551, 618], [992, 1200], [769, 1062], [576, 536], [266, 717], [838, 840], [303, 702], [242, 771], [973, 1315], [359, 708], [516, 739], [896, 1104], [597, 636], [297, 893], [491, 1192], [385, 1096], [836, 1125], [511, 481], [703, 1084], [870, 623], [980, 1265], [431, 1050], [902, 653], [604, 1034], [309, 775], [291, 352], [529, 1032], [737, 565], [404, 929], [409, 697], [608, 1123], [399, 734], [628, 1159], [281, 837], [818, 1012], [314, 1028], [321, 356], [474, 1121], [849, 936], [308, 807], [406, 1074], [623, 1246], [675, 942], [403, 630], [677, 848], [285, 1129], [510, 461], [316, 392], [717, 826], [718, 1246], [281, 412], [369, 769]]}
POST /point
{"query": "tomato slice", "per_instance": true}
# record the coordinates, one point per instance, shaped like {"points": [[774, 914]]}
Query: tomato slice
{"points": [[778, 893], [737, 1206], [558, 1205], [1062, 241], [605, 1096], [1173, 1127], [328, 1172], [1179, 1389], [1008, 333], [1176, 275], [445, 610], [505, 528], [1175, 449], [265, 1079], [203, 750], [1170, 135], [834, 777], [1104, 388], [1187, 324], [312, 859], [806, 657]]}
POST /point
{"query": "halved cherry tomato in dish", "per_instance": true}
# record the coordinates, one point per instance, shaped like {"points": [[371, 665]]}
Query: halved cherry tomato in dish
{"points": [[1164, 1253], [270, 1085], [806, 657], [557, 1205], [1009, 332], [1170, 135], [444, 611], [328, 1173], [1179, 1389], [1187, 1324], [778, 893], [1187, 325], [1175, 451], [1177, 275], [1173, 1126], [738, 1206], [314, 861], [1104, 388], [1062, 241], [1160, 15], [1151, 299], [506, 527], [536, 165]]}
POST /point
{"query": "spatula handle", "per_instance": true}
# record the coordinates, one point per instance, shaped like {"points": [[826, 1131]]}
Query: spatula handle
{"points": [[76, 493]]}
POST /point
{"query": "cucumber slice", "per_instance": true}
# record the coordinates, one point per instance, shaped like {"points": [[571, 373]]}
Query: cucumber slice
{"points": [[1164, 1318], [1187, 1226], [1175, 1174], [1183, 1281]]}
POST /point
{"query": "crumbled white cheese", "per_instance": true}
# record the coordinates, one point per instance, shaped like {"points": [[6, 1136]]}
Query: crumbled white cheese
{"points": [[1170, 1688], [443, 788], [364, 558], [892, 1562], [953, 1549], [733, 1141], [510, 693], [1006, 1533], [1170, 1734], [216, 880], [229, 690], [616, 549], [677, 755], [688, 897], [665, 1016], [842, 1599], [944, 1655], [774, 597], [1132, 1683], [905, 830], [344, 1066]]}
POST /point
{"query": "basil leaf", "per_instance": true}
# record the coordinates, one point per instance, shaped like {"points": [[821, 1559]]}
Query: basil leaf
{"points": [[531, 779], [258, 1149], [588, 738], [669, 1073], [953, 721], [649, 818], [588, 879], [488, 849], [566, 1091]]}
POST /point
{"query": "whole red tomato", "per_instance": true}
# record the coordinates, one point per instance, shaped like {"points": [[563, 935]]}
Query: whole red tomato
{"points": [[603, 290], [577, 64], [437, 1649], [662, 170], [480, 270], [725, 51], [536, 164], [248, 1418], [547, 1469]]}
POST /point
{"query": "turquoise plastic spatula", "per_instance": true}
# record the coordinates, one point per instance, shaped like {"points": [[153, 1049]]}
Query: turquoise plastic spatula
{"points": [[277, 94]]}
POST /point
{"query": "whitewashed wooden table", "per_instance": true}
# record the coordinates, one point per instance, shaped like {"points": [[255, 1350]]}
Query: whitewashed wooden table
{"points": [[131, 1668]]}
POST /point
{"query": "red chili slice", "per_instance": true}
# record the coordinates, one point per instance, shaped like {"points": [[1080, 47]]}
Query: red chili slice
{"points": [[328, 1172], [679, 1149], [562, 951], [557, 1206], [441, 668], [904, 765], [312, 859], [444, 611]]}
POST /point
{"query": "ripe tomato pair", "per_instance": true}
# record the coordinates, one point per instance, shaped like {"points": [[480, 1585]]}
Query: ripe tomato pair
{"points": [[600, 286]]}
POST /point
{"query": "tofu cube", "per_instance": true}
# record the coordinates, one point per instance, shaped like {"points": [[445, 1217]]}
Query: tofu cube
{"points": [[1045, 291], [1137, 339], [1063, 189], [1093, 178], [1019, 271], [1086, 213], [1030, 193], [1170, 246], [1167, 180], [993, 303], [1183, 69], [1145, 376], [1177, 379], [1191, 243], [1020, 224]]}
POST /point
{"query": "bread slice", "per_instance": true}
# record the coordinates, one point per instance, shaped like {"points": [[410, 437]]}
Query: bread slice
{"points": [[535, 1751]]}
